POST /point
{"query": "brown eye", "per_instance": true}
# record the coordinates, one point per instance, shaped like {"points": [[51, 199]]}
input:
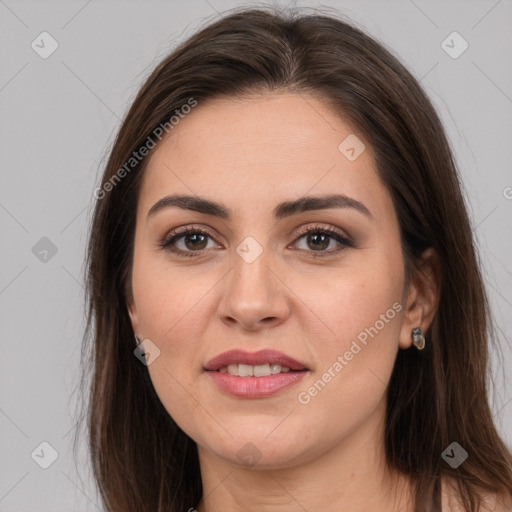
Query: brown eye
{"points": [[319, 239], [195, 241], [186, 242]]}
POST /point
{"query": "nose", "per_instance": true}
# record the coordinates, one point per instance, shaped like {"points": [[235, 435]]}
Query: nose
{"points": [[254, 296]]}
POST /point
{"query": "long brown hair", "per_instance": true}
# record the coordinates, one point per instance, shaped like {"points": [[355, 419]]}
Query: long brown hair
{"points": [[142, 461]]}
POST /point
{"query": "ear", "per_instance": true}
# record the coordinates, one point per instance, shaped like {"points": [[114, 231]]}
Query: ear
{"points": [[422, 296], [132, 311]]}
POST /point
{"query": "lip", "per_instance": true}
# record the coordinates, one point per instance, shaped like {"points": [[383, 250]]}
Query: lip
{"points": [[255, 387], [254, 359]]}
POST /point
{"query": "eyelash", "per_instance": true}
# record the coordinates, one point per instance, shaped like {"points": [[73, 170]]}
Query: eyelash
{"points": [[168, 241]]}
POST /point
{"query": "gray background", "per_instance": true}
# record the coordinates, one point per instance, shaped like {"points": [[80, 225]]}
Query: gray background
{"points": [[58, 118]]}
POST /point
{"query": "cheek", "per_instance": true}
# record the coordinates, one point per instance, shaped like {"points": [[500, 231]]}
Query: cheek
{"points": [[169, 300], [363, 312], [171, 313], [174, 310], [353, 299]]}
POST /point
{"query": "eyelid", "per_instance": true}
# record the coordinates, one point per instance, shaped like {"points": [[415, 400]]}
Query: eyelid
{"points": [[340, 236], [177, 233], [304, 230]]}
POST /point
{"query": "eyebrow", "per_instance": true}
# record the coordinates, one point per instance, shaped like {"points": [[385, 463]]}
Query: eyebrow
{"points": [[281, 211]]}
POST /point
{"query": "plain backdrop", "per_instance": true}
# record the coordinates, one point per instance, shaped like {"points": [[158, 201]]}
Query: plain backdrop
{"points": [[59, 116]]}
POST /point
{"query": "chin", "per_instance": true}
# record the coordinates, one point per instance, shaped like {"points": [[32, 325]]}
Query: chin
{"points": [[258, 450]]}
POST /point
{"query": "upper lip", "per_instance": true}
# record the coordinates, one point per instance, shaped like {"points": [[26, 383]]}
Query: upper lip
{"points": [[253, 358]]}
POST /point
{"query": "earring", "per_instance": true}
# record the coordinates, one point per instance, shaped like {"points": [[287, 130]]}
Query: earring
{"points": [[417, 338], [137, 340]]}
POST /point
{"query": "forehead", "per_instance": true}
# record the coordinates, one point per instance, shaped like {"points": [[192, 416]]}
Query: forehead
{"points": [[277, 126], [259, 150]]}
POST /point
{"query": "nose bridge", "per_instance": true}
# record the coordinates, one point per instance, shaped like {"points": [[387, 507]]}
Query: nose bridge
{"points": [[252, 292], [250, 280]]}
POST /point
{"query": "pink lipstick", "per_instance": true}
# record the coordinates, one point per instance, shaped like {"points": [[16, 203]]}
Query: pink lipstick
{"points": [[254, 374]]}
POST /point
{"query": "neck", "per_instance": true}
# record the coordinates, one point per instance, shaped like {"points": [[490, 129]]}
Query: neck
{"points": [[353, 475]]}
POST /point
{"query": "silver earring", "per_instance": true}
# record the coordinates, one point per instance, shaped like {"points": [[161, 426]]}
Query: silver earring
{"points": [[417, 338], [137, 340]]}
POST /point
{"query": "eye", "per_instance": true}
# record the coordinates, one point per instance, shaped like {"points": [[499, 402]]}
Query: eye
{"points": [[186, 241], [319, 238], [190, 241]]}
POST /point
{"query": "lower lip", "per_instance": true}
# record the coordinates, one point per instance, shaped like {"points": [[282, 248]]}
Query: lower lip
{"points": [[255, 387]]}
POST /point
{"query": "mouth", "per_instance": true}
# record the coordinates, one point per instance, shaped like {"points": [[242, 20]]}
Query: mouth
{"points": [[267, 361], [255, 375], [260, 370]]}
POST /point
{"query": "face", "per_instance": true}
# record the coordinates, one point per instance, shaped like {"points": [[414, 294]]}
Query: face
{"points": [[322, 284]]}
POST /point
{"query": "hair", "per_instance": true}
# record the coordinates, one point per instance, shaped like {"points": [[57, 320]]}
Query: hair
{"points": [[141, 460]]}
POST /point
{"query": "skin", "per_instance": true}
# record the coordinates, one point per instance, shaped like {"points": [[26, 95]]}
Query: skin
{"points": [[251, 154]]}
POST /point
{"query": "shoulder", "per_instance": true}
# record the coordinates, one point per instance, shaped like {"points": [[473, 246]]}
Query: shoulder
{"points": [[491, 502]]}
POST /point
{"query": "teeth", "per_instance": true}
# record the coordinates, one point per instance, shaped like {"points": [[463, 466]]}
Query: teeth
{"points": [[260, 370], [233, 369], [275, 369], [245, 370]]}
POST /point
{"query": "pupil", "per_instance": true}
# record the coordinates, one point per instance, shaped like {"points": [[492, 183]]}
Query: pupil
{"points": [[194, 245], [325, 242]]}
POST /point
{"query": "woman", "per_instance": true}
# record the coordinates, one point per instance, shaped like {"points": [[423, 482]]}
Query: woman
{"points": [[286, 307]]}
